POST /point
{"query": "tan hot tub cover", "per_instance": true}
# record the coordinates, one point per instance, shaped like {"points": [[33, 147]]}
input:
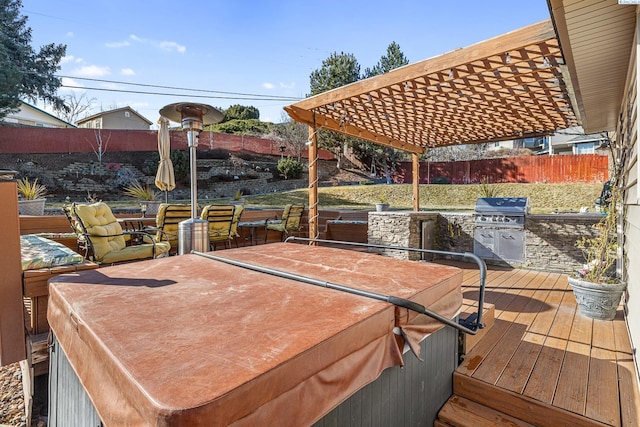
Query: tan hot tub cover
{"points": [[188, 341]]}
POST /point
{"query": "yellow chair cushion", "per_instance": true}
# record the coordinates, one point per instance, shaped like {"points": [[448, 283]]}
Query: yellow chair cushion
{"points": [[237, 213], [100, 221], [167, 220], [220, 218]]}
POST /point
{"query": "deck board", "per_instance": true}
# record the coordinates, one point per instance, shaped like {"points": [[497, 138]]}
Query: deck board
{"points": [[543, 349]]}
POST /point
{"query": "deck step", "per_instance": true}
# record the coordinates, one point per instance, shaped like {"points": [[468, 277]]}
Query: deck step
{"points": [[507, 403], [461, 412]]}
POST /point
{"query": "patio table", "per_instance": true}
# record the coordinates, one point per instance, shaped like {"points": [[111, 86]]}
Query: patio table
{"points": [[252, 227]]}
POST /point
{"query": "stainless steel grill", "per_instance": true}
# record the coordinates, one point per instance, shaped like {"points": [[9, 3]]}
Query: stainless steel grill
{"points": [[499, 232]]}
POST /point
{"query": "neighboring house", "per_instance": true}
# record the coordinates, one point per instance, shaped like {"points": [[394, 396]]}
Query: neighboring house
{"points": [[533, 144], [567, 141], [29, 115], [120, 118], [574, 141]]}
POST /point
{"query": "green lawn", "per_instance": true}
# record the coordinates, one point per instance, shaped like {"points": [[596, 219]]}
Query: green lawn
{"points": [[543, 198]]}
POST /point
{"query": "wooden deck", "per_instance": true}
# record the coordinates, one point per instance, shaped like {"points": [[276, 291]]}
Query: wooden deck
{"points": [[541, 362]]}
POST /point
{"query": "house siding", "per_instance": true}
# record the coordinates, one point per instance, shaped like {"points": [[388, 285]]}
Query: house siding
{"points": [[627, 133]]}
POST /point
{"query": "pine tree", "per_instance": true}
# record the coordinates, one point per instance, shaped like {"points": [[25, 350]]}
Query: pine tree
{"points": [[25, 73]]}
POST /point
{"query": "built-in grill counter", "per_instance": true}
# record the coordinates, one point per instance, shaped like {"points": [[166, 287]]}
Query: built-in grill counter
{"points": [[499, 232], [190, 340]]}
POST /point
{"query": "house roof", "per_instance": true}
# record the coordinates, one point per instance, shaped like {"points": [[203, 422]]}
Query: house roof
{"points": [[36, 110], [503, 88], [596, 38], [104, 113]]}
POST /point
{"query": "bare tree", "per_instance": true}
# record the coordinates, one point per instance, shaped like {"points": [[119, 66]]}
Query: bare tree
{"points": [[79, 106], [100, 146], [291, 136]]}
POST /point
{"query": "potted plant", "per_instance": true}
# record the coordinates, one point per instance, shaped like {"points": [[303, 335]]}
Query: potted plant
{"points": [[382, 204], [596, 286], [147, 196], [31, 199]]}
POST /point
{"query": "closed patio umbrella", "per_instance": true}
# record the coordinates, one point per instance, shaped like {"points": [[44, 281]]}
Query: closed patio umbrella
{"points": [[165, 179]]}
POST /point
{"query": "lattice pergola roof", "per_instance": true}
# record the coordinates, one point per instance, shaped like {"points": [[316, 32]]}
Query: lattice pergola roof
{"points": [[503, 88]]}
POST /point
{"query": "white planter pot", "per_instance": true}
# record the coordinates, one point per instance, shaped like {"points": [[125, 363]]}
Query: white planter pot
{"points": [[31, 207], [597, 300], [380, 207]]}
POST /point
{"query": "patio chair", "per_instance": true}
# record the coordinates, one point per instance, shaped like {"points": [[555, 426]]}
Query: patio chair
{"points": [[104, 241], [220, 218], [290, 222], [167, 220], [237, 214]]}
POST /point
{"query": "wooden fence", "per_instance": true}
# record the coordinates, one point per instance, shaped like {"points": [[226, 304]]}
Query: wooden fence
{"points": [[528, 169]]}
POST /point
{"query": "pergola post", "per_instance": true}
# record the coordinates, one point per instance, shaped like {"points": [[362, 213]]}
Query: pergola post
{"points": [[313, 183], [416, 181]]}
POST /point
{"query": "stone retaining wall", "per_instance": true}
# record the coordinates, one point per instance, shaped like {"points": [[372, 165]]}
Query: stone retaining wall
{"points": [[550, 239]]}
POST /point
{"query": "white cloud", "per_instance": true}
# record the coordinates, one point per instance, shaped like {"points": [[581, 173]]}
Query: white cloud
{"points": [[115, 45], [92, 71], [268, 85], [291, 85], [127, 72], [77, 86], [68, 81], [172, 46], [70, 34], [168, 46], [68, 58]]}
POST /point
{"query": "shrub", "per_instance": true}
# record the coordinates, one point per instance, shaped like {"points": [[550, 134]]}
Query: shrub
{"points": [[181, 167], [290, 168], [136, 190], [489, 190], [31, 190]]}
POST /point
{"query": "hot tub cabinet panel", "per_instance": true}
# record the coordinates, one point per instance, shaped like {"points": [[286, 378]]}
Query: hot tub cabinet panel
{"points": [[192, 341], [411, 395]]}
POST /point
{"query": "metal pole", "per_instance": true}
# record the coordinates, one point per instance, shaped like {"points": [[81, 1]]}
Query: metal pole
{"points": [[191, 138], [475, 320]]}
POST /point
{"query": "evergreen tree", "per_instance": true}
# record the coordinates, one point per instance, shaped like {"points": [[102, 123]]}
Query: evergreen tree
{"points": [[392, 60], [337, 70], [25, 73], [241, 112], [383, 158]]}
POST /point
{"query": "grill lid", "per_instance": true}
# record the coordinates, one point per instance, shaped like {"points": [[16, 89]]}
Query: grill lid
{"points": [[515, 206]]}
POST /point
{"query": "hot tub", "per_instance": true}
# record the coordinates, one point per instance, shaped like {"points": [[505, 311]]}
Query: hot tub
{"points": [[186, 340]]}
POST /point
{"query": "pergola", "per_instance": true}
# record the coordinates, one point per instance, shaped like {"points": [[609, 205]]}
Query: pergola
{"points": [[503, 88]]}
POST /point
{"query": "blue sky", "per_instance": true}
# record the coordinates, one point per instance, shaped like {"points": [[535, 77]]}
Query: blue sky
{"points": [[252, 47]]}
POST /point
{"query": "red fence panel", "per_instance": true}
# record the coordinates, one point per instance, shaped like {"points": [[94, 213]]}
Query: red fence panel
{"points": [[526, 169], [17, 140]]}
